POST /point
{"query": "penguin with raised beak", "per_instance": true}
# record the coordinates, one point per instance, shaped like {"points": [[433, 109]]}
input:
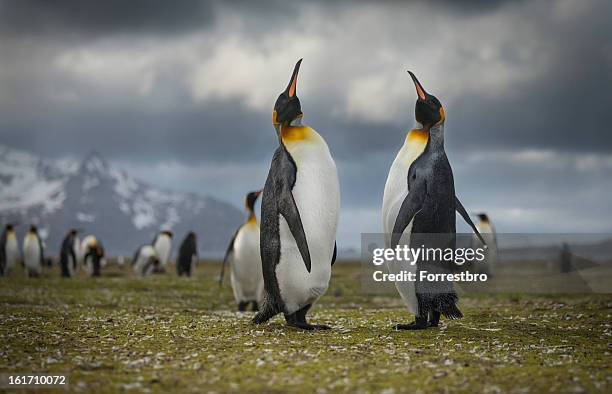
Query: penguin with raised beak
{"points": [[299, 216], [420, 201]]}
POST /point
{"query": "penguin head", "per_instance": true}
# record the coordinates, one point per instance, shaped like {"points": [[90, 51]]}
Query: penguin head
{"points": [[168, 233], [483, 217], [73, 232], [33, 229], [249, 200], [191, 235], [9, 228], [428, 109], [287, 106]]}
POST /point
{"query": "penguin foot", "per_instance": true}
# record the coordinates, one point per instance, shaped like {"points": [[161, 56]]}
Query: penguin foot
{"points": [[434, 319], [420, 323], [411, 326], [308, 326], [301, 326]]}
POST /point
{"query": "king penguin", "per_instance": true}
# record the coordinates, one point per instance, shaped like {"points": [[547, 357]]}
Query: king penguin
{"points": [[93, 255], [245, 260], [33, 252], [145, 260], [419, 198], [9, 250], [68, 254], [486, 228], [188, 255], [163, 246], [299, 216]]}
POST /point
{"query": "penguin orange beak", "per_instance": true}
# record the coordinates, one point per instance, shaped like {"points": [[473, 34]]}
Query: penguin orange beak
{"points": [[419, 88], [291, 88]]}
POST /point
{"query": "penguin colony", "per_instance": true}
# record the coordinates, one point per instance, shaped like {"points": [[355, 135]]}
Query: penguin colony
{"points": [[283, 265]]}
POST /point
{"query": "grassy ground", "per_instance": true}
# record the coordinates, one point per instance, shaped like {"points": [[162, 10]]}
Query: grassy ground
{"points": [[166, 333]]}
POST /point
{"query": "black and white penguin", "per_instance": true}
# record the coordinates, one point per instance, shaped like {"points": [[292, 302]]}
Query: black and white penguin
{"points": [[145, 261], [419, 198], [33, 252], [68, 254], [93, 255], [9, 250], [163, 246], [300, 206], [245, 260], [487, 230], [188, 255]]}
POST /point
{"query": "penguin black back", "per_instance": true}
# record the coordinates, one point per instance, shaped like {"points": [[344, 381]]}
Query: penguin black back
{"points": [[187, 251], [67, 253]]}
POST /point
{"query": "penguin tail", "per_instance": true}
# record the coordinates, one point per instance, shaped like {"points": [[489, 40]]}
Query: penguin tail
{"points": [[452, 312], [446, 304], [268, 311]]}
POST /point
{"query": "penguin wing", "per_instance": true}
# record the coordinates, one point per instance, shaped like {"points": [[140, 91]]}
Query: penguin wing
{"points": [[288, 209], [136, 255], [335, 253], [42, 251], [228, 255], [461, 209], [283, 172], [411, 206]]}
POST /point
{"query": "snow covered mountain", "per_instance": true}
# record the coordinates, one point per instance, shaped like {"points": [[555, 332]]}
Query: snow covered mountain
{"points": [[101, 199]]}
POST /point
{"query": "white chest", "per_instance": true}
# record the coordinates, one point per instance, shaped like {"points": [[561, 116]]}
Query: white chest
{"points": [[396, 187], [162, 247], [31, 251], [11, 249], [317, 196]]}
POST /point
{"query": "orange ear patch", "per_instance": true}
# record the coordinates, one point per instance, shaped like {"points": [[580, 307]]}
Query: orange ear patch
{"points": [[418, 135], [442, 115]]}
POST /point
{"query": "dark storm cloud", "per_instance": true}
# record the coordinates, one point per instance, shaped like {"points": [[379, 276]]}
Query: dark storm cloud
{"points": [[514, 77], [92, 17]]}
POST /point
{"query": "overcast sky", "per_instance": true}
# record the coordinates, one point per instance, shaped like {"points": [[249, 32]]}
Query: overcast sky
{"points": [[181, 94]]}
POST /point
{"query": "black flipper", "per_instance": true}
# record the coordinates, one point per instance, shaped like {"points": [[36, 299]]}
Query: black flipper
{"points": [[42, 251], [289, 210], [459, 207], [277, 190], [335, 253], [228, 252], [136, 255], [410, 207]]}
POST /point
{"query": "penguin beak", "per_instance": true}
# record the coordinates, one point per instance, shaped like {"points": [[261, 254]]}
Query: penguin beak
{"points": [[291, 88], [419, 88]]}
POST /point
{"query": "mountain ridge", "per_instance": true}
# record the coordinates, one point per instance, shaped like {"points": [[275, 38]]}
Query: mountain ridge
{"points": [[103, 199]]}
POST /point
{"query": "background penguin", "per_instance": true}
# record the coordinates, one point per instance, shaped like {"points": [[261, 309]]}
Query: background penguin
{"points": [[163, 246], [486, 229], [68, 254], [245, 259], [145, 260], [188, 255], [93, 255], [300, 205], [420, 199], [33, 252], [9, 250]]}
